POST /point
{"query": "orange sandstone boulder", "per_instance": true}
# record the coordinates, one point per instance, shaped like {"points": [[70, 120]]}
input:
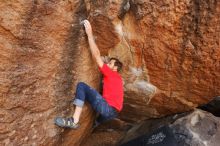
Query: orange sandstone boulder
{"points": [[170, 51]]}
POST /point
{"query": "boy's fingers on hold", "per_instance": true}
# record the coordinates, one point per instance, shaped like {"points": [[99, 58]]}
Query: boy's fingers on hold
{"points": [[86, 21]]}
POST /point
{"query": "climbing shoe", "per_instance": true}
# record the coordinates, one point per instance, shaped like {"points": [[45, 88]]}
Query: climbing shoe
{"points": [[66, 123]]}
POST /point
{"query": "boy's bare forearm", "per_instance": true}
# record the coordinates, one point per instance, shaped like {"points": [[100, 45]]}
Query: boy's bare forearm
{"points": [[93, 47]]}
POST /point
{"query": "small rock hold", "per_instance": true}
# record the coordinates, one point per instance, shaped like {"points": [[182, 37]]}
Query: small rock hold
{"points": [[127, 6], [12, 133], [34, 137], [32, 125], [110, 130], [7, 141], [26, 138]]}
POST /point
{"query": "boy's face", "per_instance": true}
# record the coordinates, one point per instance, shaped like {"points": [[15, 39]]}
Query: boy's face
{"points": [[111, 65]]}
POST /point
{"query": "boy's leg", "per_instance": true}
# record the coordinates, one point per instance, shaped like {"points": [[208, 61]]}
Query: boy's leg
{"points": [[79, 100], [98, 103], [83, 92], [77, 113], [106, 111]]}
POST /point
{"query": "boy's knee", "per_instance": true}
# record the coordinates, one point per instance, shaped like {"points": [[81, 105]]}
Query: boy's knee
{"points": [[81, 84]]}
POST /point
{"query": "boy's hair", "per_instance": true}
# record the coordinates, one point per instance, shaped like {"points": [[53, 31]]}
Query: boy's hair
{"points": [[117, 63]]}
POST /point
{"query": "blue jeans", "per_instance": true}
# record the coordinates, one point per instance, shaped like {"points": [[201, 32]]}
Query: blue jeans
{"points": [[98, 103]]}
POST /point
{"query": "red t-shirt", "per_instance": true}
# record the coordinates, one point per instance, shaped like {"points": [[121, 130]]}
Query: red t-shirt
{"points": [[112, 87]]}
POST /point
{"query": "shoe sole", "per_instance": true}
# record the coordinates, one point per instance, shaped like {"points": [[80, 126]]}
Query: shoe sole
{"points": [[59, 123]]}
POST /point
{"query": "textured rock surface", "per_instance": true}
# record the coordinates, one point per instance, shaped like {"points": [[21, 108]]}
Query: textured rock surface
{"points": [[107, 134], [170, 50], [175, 56], [196, 128]]}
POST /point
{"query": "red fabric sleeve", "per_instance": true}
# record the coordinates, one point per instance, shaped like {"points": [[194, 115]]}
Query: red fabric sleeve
{"points": [[105, 70]]}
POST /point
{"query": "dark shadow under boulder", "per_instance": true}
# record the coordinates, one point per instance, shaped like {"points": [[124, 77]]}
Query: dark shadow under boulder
{"points": [[213, 106]]}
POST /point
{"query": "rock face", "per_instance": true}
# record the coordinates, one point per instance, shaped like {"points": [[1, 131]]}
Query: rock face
{"points": [[170, 51], [173, 68], [196, 128]]}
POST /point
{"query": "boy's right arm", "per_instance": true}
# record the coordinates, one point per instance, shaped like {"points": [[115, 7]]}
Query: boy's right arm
{"points": [[93, 47]]}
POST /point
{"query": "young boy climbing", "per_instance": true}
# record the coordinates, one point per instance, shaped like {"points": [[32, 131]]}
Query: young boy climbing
{"points": [[107, 105]]}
